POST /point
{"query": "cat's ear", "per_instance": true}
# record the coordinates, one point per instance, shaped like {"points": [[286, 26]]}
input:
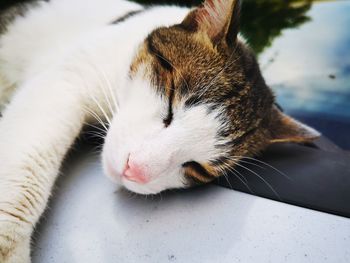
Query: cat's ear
{"points": [[218, 19], [286, 129]]}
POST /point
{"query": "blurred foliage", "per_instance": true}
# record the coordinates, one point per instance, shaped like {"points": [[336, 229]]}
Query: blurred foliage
{"points": [[261, 22], [7, 3], [188, 3]]}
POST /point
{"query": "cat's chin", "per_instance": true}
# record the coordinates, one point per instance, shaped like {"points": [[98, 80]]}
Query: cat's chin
{"points": [[140, 189]]}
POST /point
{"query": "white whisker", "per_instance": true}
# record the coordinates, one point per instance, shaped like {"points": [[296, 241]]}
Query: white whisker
{"points": [[242, 180], [251, 163], [107, 84], [87, 88], [99, 120], [239, 158], [239, 176], [262, 179], [101, 108], [95, 127], [268, 165]]}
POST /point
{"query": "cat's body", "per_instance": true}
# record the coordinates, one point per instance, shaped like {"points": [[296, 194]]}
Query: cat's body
{"points": [[67, 63], [70, 50], [51, 31]]}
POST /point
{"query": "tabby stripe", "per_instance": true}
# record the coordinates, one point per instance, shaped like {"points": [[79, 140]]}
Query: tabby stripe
{"points": [[240, 139], [160, 57], [197, 178], [13, 215], [197, 172], [128, 15]]}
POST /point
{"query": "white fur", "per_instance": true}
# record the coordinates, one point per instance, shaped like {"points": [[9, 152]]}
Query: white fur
{"points": [[138, 130], [63, 61]]}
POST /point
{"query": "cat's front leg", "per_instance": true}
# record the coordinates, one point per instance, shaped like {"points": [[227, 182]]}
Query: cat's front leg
{"points": [[14, 240], [38, 128]]}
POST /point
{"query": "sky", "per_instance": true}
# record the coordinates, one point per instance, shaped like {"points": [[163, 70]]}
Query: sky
{"points": [[309, 67]]}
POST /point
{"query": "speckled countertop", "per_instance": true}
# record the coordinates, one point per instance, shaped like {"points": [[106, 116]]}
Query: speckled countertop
{"points": [[89, 221], [302, 56]]}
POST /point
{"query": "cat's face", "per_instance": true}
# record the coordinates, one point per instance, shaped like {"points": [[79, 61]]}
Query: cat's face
{"points": [[195, 103]]}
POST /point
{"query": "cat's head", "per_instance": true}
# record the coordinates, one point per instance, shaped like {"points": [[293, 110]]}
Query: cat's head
{"points": [[194, 105]]}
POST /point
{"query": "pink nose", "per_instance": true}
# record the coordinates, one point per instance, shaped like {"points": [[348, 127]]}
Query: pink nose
{"points": [[134, 172]]}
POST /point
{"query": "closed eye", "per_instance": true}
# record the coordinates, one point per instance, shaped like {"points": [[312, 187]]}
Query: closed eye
{"points": [[170, 115]]}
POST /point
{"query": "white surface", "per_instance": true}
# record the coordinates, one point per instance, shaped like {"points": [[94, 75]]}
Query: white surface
{"points": [[88, 221]]}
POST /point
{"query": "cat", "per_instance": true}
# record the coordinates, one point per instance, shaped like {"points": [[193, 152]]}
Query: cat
{"points": [[177, 91]]}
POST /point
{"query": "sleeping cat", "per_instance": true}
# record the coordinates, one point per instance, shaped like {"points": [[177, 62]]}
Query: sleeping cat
{"points": [[179, 94]]}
